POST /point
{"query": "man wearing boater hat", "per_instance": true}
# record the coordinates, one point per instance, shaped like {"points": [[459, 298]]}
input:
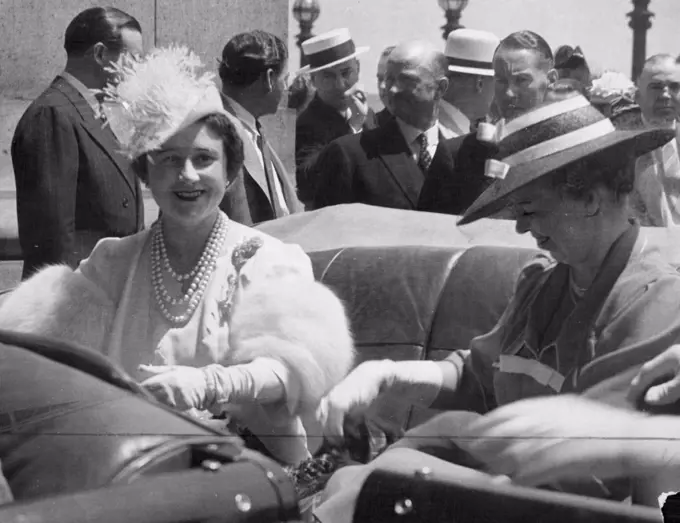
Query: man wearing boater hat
{"points": [[523, 68], [471, 83], [339, 106]]}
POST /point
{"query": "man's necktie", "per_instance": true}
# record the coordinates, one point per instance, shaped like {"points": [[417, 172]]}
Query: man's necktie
{"points": [[269, 170], [424, 157]]}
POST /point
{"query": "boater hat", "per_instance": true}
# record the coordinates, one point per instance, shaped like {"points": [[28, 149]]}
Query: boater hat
{"points": [[329, 49], [471, 51], [551, 137], [157, 96]]}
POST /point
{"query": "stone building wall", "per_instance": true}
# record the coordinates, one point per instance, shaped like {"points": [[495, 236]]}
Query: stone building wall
{"points": [[32, 54]]}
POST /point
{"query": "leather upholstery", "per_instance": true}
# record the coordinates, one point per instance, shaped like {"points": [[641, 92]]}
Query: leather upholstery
{"points": [[415, 302], [52, 414]]}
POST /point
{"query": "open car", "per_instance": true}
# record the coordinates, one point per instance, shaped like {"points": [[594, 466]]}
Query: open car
{"points": [[79, 441]]}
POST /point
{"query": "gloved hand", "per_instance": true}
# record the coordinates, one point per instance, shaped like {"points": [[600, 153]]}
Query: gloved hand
{"points": [[666, 366], [262, 380], [178, 386], [414, 381]]}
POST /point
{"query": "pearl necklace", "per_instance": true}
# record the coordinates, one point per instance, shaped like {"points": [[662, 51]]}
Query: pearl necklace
{"points": [[200, 274]]}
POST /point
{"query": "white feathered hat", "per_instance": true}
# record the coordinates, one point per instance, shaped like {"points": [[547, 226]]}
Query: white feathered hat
{"points": [[157, 96]]}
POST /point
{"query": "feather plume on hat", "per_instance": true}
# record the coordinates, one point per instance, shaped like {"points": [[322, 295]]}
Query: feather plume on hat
{"points": [[157, 96]]}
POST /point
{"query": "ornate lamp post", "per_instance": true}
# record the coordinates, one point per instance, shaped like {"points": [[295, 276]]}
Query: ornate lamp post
{"points": [[452, 10], [305, 12], [640, 22]]}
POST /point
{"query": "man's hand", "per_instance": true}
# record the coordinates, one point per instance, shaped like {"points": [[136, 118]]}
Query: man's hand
{"points": [[358, 106]]}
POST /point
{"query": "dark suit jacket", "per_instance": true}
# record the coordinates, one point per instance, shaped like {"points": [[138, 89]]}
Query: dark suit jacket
{"points": [[73, 187], [317, 126], [375, 167], [453, 192], [383, 117], [247, 200]]}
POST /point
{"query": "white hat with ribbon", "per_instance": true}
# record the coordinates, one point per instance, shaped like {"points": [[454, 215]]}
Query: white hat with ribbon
{"points": [[329, 49], [471, 51]]}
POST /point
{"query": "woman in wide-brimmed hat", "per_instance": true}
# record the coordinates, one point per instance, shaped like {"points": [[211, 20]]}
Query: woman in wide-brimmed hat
{"points": [[210, 315], [585, 315]]}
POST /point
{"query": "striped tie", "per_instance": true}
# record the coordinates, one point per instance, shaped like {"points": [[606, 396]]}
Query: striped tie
{"points": [[424, 157]]}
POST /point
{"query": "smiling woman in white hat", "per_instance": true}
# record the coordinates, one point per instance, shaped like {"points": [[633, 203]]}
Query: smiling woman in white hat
{"points": [[584, 316], [195, 307], [339, 106]]}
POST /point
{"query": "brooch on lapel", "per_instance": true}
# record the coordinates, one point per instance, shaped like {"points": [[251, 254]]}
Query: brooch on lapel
{"points": [[243, 252]]}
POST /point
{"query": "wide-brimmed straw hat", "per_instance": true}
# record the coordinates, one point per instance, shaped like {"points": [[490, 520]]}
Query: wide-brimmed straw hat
{"points": [[471, 51], [329, 49], [550, 137], [157, 96]]}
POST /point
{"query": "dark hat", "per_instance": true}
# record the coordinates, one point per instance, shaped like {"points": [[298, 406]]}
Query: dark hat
{"points": [[567, 57], [550, 137]]}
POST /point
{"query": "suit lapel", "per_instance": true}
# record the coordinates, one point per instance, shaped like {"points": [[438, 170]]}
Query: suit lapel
{"points": [[289, 192], [443, 159], [104, 137], [251, 158], [395, 153]]}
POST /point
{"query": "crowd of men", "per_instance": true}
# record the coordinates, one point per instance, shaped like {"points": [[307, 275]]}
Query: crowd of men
{"points": [[421, 152]]}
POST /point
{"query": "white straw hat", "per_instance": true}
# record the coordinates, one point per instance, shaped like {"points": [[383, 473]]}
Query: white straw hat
{"points": [[471, 51], [329, 49]]}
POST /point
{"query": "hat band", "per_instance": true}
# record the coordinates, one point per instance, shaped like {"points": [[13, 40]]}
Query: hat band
{"points": [[544, 113], [332, 54], [560, 143], [473, 64]]}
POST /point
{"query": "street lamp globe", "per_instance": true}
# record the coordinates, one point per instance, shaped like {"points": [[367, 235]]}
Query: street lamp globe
{"points": [[306, 11], [452, 5], [452, 10]]}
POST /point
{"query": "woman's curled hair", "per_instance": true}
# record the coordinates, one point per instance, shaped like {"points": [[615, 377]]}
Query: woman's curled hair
{"points": [[231, 143]]}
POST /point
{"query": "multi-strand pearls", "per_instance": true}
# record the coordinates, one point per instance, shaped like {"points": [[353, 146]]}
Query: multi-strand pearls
{"points": [[199, 275]]}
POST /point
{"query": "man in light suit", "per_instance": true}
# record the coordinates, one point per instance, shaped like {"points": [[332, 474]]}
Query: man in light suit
{"points": [[471, 83], [253, 71], [73, 187], [656, 199]]}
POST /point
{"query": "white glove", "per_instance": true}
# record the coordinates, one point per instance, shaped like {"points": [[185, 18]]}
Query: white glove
{"points": [[263, 380], [413, 381], [177, 386]]}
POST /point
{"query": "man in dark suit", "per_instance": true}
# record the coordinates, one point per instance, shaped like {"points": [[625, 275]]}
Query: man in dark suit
{"points": [[73, 187], [253, 72], [387, 166], [338, 108], [523, 69]]}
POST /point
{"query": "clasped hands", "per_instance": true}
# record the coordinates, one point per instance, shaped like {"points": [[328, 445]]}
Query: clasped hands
{"points": [[541, 440]]}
